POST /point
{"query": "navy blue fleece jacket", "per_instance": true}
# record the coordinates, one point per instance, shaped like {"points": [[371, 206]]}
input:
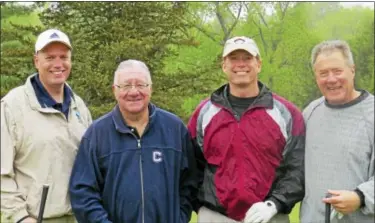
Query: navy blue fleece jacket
{"points": [[118, 177]]}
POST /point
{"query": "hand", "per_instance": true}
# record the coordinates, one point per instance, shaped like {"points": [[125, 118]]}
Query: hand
{"points": [[343, 201], [29, 220], [260, 212]]}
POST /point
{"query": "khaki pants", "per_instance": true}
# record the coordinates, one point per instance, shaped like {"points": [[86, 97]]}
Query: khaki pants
{"points": [[206, 215], [63, 219]]}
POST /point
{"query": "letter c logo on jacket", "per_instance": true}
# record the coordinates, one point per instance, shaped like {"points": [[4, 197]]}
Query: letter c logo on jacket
{"points": [[157, 156]]}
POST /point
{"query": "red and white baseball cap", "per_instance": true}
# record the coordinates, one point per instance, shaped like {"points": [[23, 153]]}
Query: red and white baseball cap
{"points": [[241, 43], [50, 36]]}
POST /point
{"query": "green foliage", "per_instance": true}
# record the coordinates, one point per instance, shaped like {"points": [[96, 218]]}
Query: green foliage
{"points": [[106, 33], [17, 41], [182, 44], [364, 55], [285, 39], [11, 9]]}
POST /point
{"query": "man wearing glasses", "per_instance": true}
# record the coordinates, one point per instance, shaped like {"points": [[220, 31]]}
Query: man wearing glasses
{"points": [[135, 164]]}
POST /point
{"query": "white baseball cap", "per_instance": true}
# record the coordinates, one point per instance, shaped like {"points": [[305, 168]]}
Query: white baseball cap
{"points": [[50, 36], [241, 43]]}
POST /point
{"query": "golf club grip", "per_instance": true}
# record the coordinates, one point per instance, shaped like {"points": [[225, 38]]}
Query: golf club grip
{"points": [[43, 203], [328, 211]]}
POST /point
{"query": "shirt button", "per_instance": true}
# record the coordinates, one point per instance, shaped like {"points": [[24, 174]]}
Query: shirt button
{"points": [[132, 130]]}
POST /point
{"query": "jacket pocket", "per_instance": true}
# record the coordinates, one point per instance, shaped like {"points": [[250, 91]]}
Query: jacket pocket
{"points": [[34, 198]]}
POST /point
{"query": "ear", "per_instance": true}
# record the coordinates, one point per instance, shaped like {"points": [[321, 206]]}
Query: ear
{"points": [[113, 89], [259, 64], [223, 67], [353, 69], [36, 61]]}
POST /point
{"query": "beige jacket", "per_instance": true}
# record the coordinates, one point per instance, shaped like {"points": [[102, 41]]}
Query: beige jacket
{"points": [[38, 146]]}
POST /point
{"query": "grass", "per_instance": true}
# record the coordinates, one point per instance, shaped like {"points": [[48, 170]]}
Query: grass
{"points": [[294, 216]]}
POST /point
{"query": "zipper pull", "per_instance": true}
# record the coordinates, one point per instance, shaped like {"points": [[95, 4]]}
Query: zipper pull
{"points": [[139, 143]]}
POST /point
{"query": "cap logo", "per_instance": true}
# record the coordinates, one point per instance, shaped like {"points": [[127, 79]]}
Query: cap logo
{"points": [[239, 41], [54, 36]]}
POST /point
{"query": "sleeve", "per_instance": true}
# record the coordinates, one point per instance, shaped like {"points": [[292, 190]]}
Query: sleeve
{"points": [[84, 184], [200, 161], [188, 180], [367, 188], [13, 204], [288, 187]]}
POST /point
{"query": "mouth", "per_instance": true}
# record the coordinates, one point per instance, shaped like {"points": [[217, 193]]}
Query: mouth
{"points": [[241, 72], [333, 88], [58, 73], [134, 100]]}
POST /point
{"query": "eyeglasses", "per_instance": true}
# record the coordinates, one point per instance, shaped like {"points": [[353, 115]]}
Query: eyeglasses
{"points": [[128, 87]]}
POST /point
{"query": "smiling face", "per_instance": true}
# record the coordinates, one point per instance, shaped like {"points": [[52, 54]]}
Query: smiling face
{"points": [[335, 77], [134, 100], [241, 68], [53, 64]]}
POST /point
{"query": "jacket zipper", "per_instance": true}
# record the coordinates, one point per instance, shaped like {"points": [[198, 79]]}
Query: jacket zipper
{"points": [[142, 190]]}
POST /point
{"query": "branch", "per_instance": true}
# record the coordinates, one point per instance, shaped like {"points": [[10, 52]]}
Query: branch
{"points": [[262, 17], [205, 32], [260, 33], [235, 21], [263, 41], [221, 20], [200, 27], [283, 10], [228, 9]]}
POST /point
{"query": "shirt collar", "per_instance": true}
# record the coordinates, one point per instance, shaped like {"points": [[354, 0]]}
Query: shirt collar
{"points": [[45, 98], [120, 123]]}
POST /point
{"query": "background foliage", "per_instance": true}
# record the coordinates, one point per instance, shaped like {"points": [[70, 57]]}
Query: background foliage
{"points": [[182, 44]]}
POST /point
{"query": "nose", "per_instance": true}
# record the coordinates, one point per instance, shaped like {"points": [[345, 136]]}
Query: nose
{"points": [[331, 78], [58, 63], [241, 62], [133, 90]]}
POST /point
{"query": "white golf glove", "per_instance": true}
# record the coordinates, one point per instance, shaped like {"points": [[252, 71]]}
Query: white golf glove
{"points": [[260, 212]]}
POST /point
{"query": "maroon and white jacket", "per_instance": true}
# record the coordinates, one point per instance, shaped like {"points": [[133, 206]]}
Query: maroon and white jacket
{"points": [[243, 160]]}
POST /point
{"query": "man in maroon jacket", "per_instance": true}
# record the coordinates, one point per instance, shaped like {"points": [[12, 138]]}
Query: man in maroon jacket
{"points": [[249, 145]]}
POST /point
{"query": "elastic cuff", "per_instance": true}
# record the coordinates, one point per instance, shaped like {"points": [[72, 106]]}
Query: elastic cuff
{"points": [[361, 197], [279, 206], [20, 215], [196, 205]]}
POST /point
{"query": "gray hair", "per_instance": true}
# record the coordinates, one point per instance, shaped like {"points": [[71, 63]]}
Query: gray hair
{"points": [[330, 46], [132, 64]]}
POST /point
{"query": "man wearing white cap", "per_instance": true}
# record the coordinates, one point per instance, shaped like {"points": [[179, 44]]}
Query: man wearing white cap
{"points": [[249, 145], [42, 123]]}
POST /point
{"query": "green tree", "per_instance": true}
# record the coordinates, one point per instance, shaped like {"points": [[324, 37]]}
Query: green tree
{"points": [[362, 45], [285, 32], [17, 40], [182, 43], [105, 33]]}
